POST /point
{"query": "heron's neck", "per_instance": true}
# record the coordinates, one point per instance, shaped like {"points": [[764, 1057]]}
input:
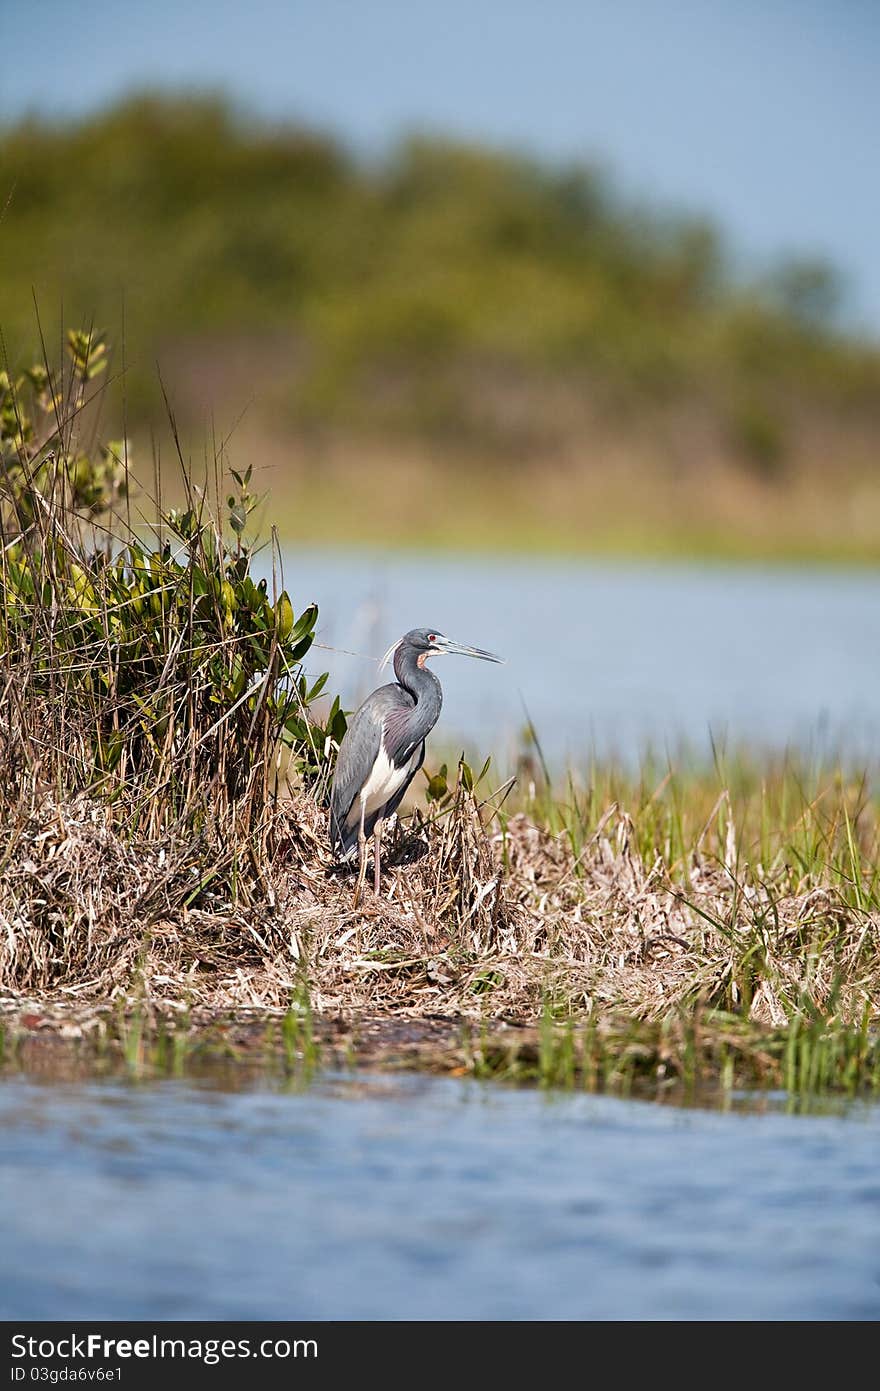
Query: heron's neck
{"points": [[422, 685]]}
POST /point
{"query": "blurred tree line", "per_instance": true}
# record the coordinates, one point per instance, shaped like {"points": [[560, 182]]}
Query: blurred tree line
{"points": [[407, 286]]}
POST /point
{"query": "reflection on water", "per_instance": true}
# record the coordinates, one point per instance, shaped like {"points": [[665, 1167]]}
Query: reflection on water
{"points": [[612, 657], [420, 1197]]}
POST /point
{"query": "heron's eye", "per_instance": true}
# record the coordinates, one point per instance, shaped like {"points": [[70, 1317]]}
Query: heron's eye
{"points": [[432, 637]]}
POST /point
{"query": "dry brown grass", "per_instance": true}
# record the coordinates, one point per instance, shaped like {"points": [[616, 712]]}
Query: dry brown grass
{"points": [[475, 920]]}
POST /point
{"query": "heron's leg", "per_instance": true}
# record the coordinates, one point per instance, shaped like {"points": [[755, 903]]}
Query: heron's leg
{"points": [[377, 841], [362, 856]]}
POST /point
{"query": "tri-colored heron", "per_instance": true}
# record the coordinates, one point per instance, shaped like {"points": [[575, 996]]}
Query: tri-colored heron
{"points": [[384, 745]]}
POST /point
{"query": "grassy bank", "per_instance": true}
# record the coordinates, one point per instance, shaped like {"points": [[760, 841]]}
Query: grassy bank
{"points": [[709, 932], [452, 327], [713, 1061], [166, 872], [603, 499]]}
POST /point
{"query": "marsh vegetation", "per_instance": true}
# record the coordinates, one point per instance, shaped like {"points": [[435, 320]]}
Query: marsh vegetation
{"points": [[167, 870]]}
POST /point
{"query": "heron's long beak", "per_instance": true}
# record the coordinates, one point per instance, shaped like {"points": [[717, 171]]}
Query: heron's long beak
{"points": [[457, 649]]}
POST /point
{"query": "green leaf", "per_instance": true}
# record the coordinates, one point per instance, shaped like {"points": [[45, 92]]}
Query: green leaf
{"points": [[437, 788], [306, 621], [199, 581], [284, 616], [300, 650], [317, 688]]}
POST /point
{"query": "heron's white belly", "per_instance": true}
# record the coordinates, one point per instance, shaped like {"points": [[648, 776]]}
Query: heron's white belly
{"points": [[384, 780]]}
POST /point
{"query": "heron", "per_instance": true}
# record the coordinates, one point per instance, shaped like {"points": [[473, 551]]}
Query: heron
{"points": [[384, 745]]}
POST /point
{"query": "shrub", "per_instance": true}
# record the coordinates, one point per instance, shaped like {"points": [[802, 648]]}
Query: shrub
{"points": [[155, 670]]}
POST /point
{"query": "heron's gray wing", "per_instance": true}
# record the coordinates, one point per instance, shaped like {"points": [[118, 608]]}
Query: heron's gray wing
{"points": [[357, 755], [402, 731]]}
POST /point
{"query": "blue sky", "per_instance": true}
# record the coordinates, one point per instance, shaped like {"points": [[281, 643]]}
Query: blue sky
{"points": [[763, 113]]}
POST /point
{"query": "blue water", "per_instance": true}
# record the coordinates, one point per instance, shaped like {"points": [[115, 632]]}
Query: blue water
{"points": [[417, 1197], [611, 657]]}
